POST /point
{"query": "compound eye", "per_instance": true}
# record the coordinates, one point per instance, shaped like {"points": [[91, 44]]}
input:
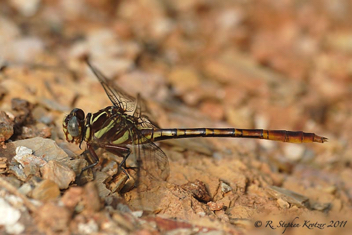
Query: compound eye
{"points": [[73, 127], [78, 113]]}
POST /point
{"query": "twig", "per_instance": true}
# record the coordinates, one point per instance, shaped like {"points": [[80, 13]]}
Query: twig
{"points": [[13, 190]]}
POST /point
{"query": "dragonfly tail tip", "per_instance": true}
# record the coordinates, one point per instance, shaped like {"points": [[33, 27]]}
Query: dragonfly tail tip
{"points": [[320, 139]]}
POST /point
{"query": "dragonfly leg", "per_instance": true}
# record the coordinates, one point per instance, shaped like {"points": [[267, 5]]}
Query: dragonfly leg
{"points": [[120, 151], [94, 158]]}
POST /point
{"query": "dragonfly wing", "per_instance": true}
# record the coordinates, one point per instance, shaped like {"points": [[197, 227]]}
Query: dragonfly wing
{"points": [[143, 114], [116, 95], [152, 159]]}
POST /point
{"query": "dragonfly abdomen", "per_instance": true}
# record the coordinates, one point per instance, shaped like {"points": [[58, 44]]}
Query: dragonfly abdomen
{"points": [[278, 135]]}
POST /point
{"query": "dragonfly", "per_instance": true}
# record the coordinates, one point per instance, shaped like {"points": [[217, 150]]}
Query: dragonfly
{"points": [[126, 126]]}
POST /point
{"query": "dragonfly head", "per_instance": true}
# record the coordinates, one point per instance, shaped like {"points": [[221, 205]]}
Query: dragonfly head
{"points": [[73, 126]]}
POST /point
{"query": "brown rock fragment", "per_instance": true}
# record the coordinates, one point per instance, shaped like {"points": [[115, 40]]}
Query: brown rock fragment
{"points": [[3, 165], [72, 197], [198, 190], [214, 206], [288, 196], [53, 218], [6, 128], [91, 199], [61, 174], [46, 190]]}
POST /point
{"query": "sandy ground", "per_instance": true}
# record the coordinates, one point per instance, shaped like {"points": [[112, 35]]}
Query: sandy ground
{"points": [[264, 64]]}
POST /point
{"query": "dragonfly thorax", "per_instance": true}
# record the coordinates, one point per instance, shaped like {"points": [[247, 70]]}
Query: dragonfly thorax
{"points": [[107, 125], [73, 126]]}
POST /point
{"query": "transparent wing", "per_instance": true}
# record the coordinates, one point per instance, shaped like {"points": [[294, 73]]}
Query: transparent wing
{"points": [[116, 95], [143, 114], [151, 158], [130, 105]]}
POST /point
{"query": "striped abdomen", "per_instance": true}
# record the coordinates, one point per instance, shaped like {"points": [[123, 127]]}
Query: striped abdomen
{"points": [[278, 135]]}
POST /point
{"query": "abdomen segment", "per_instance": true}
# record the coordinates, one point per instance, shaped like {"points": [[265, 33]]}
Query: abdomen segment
{"points": [[277, 135]]}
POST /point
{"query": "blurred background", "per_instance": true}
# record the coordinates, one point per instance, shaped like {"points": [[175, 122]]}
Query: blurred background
{"points": [[231, 59], [247, 64]]}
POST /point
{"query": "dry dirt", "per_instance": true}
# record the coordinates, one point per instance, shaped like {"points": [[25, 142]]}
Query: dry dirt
{"points": [[263, 64]]}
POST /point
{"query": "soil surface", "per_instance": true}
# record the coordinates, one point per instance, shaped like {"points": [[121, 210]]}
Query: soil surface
{"points": [[282, 65]]}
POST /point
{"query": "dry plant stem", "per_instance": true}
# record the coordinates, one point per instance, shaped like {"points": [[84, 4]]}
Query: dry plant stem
{"points": [[13, 190]]}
